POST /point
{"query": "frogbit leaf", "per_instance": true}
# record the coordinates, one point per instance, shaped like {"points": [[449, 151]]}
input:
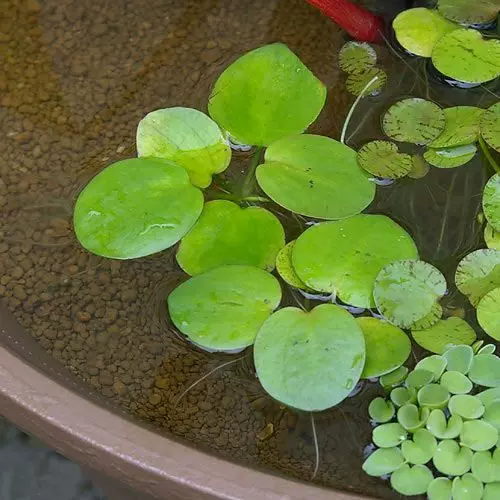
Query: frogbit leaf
{"points": [[411, 480], [285, 268], [356, 83], [478, 435], [462, 127], [418, 378], [492, 415], [389, 435], [465, 12], [456, 382], [434, 363], [135, 208], [486, 466], [452, 460], [485, 370], [356, 57], [412, 418], [439, 489], [265, 95], [381, 410], [394, 378], [401, 396], [459, 358], [466, 406], [490, 126], [433, 396], [382, 158], [488, 313], [383, 461], [491, 201], [420, 168], [492, 237], [420, 449], [491, 491], [442, 428], [450, 157], [467, 487]]}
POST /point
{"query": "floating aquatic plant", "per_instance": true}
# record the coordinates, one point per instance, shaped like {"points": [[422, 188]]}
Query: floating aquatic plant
{"points": [[491, 202], [466, 12], [383, 159], [450, 157], [490, 126], [357, 57]]}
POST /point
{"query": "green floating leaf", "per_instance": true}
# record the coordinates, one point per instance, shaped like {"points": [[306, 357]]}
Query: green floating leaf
{"points": [[414, 120], [476, 346], [478, 435], [489, 396], [411, 480], [465, 56], [434, 363], [309, 360], [405, 291], [485, 370], [451, 459], [492, 415], [439, 427], [135, 208], [490, 126], [333, 258], [420, 168], [491, 491], [389, 435], [383, 461], [450, 157], [478, 273], [434, 396], [456, 382], [465, 12], [224, 308], [412, 417], [285, 268], [488, 313], [187, 137], [487, 349], [467, 487], [359, 83], [418, 378], [226, 234], [387, 347], [382, 158], [459, 358], [444, 334], [466, 406], [315, 176], [381, 410], [430, 319], [265, 95], [420, 449], [491, 201], [356, 57], [401, 396], [462, 127], [394, 378], [417, 30], [439, 489], [486, 466], [492, 237]]}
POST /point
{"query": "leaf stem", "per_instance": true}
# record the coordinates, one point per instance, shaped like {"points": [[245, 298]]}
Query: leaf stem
{"points": [[249, 181], [488, 156]]}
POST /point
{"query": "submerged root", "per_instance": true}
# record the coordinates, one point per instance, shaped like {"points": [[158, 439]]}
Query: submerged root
{"points": [[316, 447]]}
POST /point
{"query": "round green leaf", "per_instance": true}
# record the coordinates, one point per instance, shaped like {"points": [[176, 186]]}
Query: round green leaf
{"points": [[356, 57], [315, 176], [490, 126], [389, 435], [381, 410], [456, 382], [465, 12], [382, 158], [478, 435], [420, 168], [476, 346], [430, 319], [383, 461], [486, 466], [411, 480], [478, 273], [412, 418], [265, 95], [451, 459], [465, 56], [414, 120], [462, 127], [441, 428], [485, 370], [285, 268], [135, 208], [487, 349], [224, 308], [387, 347], [226, 234], [467, 487], [466, 406], [434, 396], [459, 358], [309, 360], [444, 334], [491, 237], [492, 415], [401, 396], [450, 157], [489, 396], [394, 378], [420, 449], [418, 30], [187, 137], [439, 489], [434, 363], [491, 201], [345, 257], [356, 83], [491, 491], [488, 313], [406, 290], [418, 378]]}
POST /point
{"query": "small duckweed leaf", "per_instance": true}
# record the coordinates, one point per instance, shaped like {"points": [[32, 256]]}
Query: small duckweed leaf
{"points": [[381, 410], [309, 360], [332, 258], [450, 157], [265, 95], [226, 234], [487, 349], [414, 120], [465, 12], [389, 435], [135, 208], [486, 466], [434, 363], [441, 428], [490, 126], [420, 168], [285, 268], [452, 460], [445, 334], [459, 358], [224, 308], [478, 435], [430, 319], [439, 489], [465, 56], [356, 57], [417, 30], [420, 449], [485, 370], [467, 487], [491, 491], [434, 396], [418, 378], [491, 237], [356, 83], [395, 378], [315, 176], [383, 461], [491, 201], [466, 406], [411, 480], [488, 313], [492, 415], [401, 396], [412, 418], [382, 158], [462, 127], [406, 290], [187, 137], [456, 382], [387, 347]]}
